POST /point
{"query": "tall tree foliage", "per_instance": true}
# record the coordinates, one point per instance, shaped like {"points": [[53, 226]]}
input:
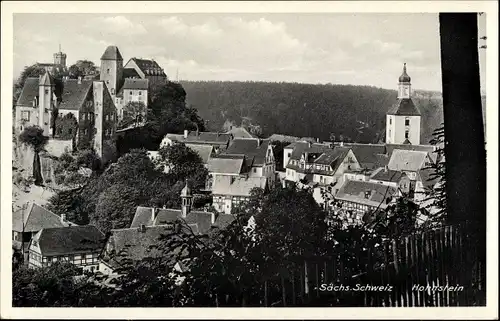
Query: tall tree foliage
{"points": [[82, 68], [33, 137]]}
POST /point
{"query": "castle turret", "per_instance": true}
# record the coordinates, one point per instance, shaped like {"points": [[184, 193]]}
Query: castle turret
{"points": [[60, 58], [46, 88], [112, 69], [187, 199], [403, 119]]}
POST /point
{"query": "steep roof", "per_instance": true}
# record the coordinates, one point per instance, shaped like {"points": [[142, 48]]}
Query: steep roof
{"points": [[240, 132], [130, 83], [112, 53], [333, 157], [149, 67], [249, 147], [223, 220], [366, 154], [226, 165], [388, 175], [404, 107], [425, 176], [205, 151], [238, 186], [74, 93], [301, 147], [36, 218], [201, 138], [130, 73], [198, 221], [283, 138], [407, 160], [354, 191], [68, 240], [29, 92], [422, 148]]}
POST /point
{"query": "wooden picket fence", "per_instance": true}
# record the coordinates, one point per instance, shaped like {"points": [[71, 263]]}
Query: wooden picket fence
{"points": [[408, 273]]}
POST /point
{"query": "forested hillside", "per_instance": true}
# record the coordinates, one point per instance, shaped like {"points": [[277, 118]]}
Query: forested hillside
{"points": [[355, 112]]}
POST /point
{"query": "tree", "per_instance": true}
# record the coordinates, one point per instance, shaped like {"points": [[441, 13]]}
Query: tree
{"points": [[82, 68], [33, 137], [183, 163], [134, 114]]}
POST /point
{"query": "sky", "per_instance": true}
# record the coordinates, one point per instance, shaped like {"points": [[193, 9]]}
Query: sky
{"points": [[338, 48]]}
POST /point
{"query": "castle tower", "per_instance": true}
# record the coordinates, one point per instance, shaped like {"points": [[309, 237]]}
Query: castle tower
{"points": [[403, 119], [112, 69], [187, 200], [46, 88], [60, 58]]}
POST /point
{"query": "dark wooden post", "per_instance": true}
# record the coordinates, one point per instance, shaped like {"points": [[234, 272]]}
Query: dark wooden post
{"points": [[464, 130]]}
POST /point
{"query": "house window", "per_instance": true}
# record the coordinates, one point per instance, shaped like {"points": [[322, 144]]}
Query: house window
{"points": [[107, 82], [407, 121], [255, 170], [107, 70], [140, 93], [46, 91], [407, 134], [25, 115], [112, 91], [130, 92]]}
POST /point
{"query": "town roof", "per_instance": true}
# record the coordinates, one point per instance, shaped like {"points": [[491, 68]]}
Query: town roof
{"points": [[201, 138], [283, 138], [130, 73], [354, 191], [226, 165], [205, 151], [366, 154], [29, 92], [426, 177], [149, 67], [407, 160], [404, 107], [223, 220], [240, 132], [422, 148], [237, 186], [199, 221], [387, 175], [74, 94], [137, 84], [36, 218], [68, 240], [250, 147], [333, 157], [301, 147], [112, 53]]}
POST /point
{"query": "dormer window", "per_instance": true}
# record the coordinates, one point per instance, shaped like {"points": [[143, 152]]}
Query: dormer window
{"points": [[367, 194]]}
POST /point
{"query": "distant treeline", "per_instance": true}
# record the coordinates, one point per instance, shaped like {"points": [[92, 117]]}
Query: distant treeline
{"points": [[356, 113]]}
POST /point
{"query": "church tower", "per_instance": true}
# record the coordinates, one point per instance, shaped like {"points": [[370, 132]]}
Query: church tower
{"points": [[46, 93], [112, 69], [187, 200], [60, 58], [403, 119]]}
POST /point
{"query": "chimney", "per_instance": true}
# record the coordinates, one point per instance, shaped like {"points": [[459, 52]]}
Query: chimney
{"points": [[385, 168], [309, 144], [79, 80], [212, 218], [153, 214], [63, 218], [341, 144], [317, 140], [142, 228], [186, 132], [258, 142]]}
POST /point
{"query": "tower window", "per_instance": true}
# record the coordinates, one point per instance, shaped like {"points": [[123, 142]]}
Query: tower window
{"points": [[407, 134], [107, 82], [131, 92], [107, 71], [407, 121], [390, 120], [112, 91]]}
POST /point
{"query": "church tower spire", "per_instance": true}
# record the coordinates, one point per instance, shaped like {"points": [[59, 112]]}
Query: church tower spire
{"points": [[404, 87]]}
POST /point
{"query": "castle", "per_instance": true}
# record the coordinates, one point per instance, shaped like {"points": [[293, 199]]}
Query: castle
{"points": [[85, 110]]}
